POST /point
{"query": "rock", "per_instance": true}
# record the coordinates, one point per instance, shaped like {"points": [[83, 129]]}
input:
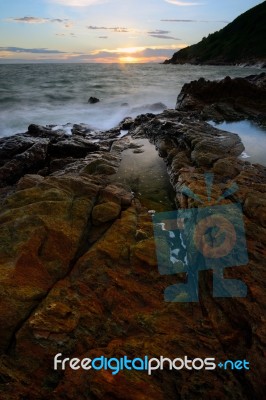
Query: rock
{"points": [[230, 99], [105, 212], [145, 251], [143, 118], [157, 107], [49, 216], [79, 274], [126, 123], [38, 130], [255, 207], [28, 181], [229, 167], [58, 164], [81, 129], [13, 145], [116, 193], [101, 166], [29, 161], [93, 100], [75, 147]]}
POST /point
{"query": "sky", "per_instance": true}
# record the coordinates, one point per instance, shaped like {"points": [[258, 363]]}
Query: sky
{"points": [[107, 31]]}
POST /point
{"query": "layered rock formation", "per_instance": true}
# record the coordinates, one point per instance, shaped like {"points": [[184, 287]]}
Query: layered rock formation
{"points": [[79, 273]]}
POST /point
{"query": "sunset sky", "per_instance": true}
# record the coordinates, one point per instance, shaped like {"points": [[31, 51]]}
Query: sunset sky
{"points": [[108, 30]]}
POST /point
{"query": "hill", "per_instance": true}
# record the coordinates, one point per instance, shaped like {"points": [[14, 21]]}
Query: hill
{"points": [[241, 41]]}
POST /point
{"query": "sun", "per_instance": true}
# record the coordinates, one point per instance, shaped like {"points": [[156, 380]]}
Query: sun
{"points": [[128, 59]]}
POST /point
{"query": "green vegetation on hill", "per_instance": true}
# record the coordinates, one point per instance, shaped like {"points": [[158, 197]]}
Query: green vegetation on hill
{"points": [[241, 41]]}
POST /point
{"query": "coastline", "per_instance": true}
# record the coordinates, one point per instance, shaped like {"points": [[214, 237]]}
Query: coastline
{"points": [[78, 254], [261, 64]]}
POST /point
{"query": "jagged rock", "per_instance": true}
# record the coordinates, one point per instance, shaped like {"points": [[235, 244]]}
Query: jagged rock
{"points": [[229, 99], [75, 147], [38, 130], [81, 129], [126, 123], [13, 145], [93, 100], [31, 159]]}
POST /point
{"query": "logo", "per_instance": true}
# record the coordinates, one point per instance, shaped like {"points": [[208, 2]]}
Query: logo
{"points": [[145, 363], [210, 237]]}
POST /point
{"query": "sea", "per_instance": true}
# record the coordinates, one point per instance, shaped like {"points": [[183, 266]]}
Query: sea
{"points": [[57, 94]]}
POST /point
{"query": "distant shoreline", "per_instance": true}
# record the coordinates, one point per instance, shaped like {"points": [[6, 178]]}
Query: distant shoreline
{"points": [[256, 64]]}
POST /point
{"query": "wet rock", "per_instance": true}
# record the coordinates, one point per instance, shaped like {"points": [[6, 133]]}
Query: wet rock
{"points": [[230, 99], [126, 123], [143, 118], [30, 160], [93, 100], [75, 147], [38, 130], [11, 146], [81, 129]]}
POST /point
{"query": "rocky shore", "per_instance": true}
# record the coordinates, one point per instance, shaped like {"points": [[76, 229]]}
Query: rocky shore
{"points": [[79, 272]]}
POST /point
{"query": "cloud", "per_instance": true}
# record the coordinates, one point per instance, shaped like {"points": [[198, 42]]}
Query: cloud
{"points": [[78, 3], [191, 20], [35, 51], [118, 55], [179, 20], [182, 3], [96, 27], [119, 29], [123, 55], [164, 37], [158, 32], [114, 29], [30, 20], [37, 20]]}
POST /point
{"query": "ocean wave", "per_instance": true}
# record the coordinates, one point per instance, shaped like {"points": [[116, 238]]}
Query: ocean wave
{"points": [[59, 93]]}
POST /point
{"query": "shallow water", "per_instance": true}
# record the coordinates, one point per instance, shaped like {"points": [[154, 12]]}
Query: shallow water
{"points": [[145, 173], [253, 137]]}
